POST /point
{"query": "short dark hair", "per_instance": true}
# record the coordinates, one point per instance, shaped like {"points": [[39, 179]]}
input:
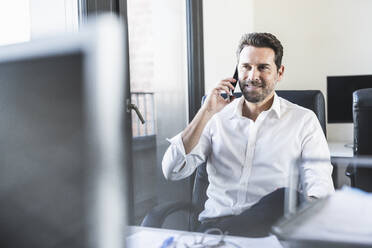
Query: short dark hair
{"points": [[262, 40]]}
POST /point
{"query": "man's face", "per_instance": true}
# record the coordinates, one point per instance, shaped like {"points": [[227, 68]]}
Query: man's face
{"points": [[258, 73]]}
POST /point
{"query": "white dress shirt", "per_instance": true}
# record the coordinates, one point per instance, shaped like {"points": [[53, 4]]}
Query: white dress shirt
{"points": [[248, 159]]}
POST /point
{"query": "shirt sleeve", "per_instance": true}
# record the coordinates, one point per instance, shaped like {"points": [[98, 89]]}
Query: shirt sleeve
{"points": [[316, 176], [177, 164]]}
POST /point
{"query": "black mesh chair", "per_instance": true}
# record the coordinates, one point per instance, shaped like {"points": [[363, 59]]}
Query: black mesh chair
{"points": [[362, 118], [311, 99]]}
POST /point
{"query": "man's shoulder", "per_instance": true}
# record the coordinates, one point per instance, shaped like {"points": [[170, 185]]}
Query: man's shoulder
{"points": [[229, 110], [226, 114], [295, 110]]}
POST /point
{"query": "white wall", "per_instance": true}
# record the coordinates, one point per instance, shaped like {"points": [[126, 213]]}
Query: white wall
{"points": [[320, 38], [224, 23], [14, 21], [51, 17]]}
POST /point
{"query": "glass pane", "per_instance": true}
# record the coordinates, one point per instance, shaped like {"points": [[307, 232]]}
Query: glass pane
{"points": [[51, 17], [158, 71], [14, 21], [25, 20]]}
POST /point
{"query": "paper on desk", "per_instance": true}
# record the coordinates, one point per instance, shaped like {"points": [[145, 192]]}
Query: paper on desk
{"points": [[154, 239], [346, 216]]}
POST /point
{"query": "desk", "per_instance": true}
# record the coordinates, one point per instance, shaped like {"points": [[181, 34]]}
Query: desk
{"points": [[241, 241], [162, 234], [338, 149]]}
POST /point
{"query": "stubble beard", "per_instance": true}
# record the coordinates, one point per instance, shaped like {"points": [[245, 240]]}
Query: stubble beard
{"points": [[257, 95]]}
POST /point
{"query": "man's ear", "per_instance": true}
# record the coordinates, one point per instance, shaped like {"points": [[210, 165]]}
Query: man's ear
{"points": [[280, 72]]}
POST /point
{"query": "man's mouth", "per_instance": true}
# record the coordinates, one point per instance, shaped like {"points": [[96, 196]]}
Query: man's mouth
{"points": [[252, 86]]}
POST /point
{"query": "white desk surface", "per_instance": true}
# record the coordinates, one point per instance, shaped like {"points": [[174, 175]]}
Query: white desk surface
{"points": [[338, 149], [240, 241]]}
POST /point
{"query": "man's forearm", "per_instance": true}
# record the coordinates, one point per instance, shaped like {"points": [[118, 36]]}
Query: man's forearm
{"points": [[213, 104], [192, 133]]}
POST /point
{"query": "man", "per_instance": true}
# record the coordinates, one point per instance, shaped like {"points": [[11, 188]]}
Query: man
{"points": [[249, 145]]}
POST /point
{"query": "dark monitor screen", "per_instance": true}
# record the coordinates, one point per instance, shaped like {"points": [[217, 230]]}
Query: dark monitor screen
{"points": [[340, 96], [41, 179]]}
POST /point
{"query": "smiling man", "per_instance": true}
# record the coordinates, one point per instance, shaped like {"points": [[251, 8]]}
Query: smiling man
{"points": [[249, 145]]}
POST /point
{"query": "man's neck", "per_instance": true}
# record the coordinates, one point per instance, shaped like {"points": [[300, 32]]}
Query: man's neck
{"points": [[253, 110]]}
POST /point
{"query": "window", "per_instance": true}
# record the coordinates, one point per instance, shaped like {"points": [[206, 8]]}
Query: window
{"points": [[15, 25], [25, 20], [158, 74]]}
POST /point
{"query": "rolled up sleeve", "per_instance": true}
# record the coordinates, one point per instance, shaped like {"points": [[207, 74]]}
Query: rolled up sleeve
{"points": [[177, 164], [316, 175]]}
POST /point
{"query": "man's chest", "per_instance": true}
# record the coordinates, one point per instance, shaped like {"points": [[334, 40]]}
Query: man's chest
{"points": [[241, 141]]}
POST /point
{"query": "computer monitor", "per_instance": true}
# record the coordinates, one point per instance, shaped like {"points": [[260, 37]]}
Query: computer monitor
{"points": [[62, 153], [340, 96]]}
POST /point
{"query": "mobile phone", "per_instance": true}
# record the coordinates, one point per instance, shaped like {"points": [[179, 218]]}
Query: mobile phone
{"points": [[231, 93]]}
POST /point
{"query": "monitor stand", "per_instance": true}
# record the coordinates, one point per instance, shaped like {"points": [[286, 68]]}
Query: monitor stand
{"points": [[349, 145], [341, 149]]}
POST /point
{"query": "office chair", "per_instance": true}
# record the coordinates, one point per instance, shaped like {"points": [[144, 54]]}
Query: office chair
{"points": [[311, 99], [362, 118]]}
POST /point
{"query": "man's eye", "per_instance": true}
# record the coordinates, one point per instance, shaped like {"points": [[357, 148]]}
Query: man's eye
{"points": [[264, 67]]}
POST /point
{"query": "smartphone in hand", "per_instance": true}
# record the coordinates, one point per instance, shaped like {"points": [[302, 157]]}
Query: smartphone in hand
{"points": [[231, 93]]}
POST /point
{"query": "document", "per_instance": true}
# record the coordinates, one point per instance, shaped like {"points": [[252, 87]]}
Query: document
{"points": [[158, 239], [345, 216]]}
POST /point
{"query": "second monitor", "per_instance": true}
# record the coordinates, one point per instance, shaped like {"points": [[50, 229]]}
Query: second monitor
{"points": [[340, 96]]}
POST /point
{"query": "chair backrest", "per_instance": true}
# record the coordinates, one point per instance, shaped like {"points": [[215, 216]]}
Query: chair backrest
{"points": [[362, 118], [311, 99]]}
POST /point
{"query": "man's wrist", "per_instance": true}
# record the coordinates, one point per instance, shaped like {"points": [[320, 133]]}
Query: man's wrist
{"points": [[207, 112], [312, 198]]}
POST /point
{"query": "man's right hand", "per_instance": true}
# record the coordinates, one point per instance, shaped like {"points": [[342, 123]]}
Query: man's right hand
{"points": [[212, 105], [215, 102]]}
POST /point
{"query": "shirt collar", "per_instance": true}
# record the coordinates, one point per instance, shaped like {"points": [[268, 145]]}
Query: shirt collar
{"points": [[276, 105], [238, 109]]}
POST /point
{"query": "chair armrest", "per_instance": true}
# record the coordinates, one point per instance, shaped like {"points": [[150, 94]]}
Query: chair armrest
{"points": [[350, 171], [158, 214]]}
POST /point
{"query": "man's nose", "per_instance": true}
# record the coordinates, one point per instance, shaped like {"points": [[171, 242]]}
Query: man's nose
{"points": [[253, 74]]}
